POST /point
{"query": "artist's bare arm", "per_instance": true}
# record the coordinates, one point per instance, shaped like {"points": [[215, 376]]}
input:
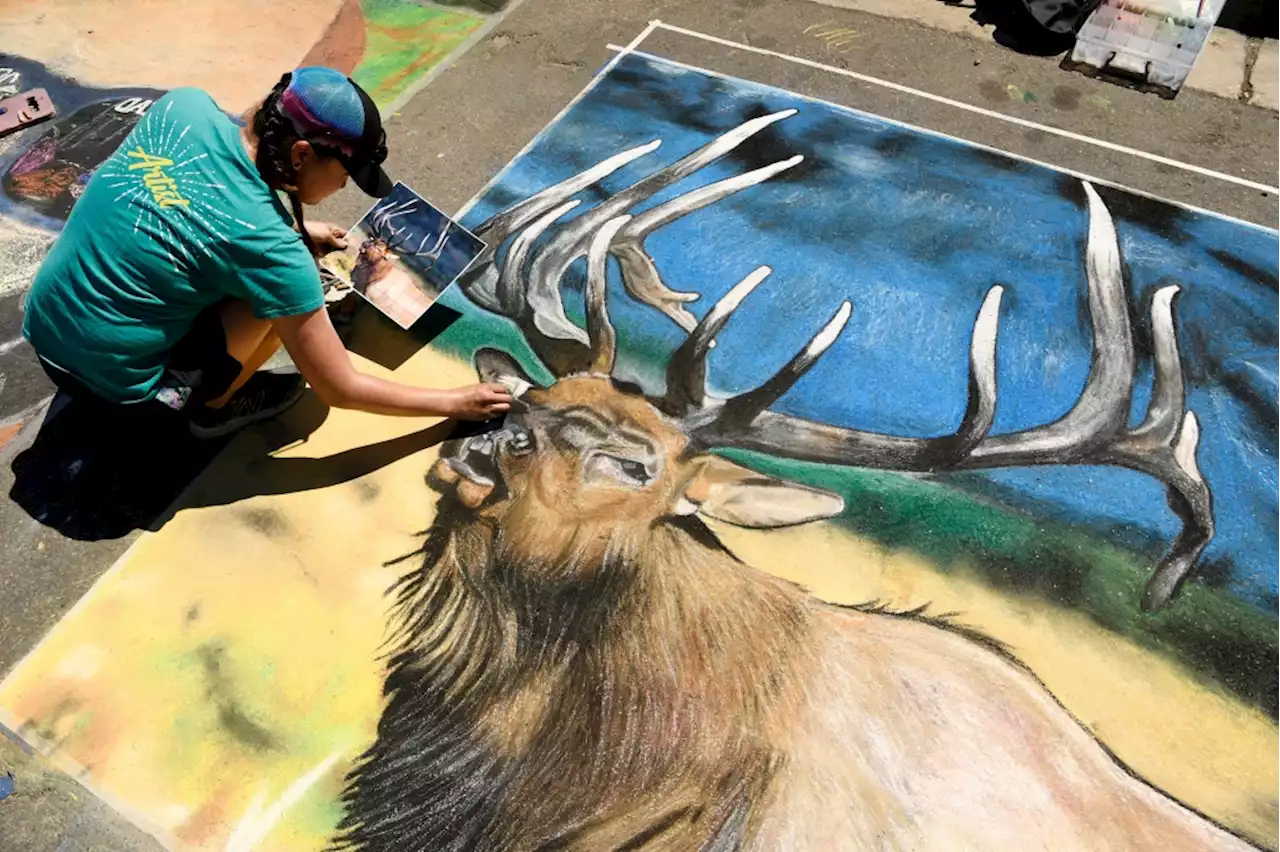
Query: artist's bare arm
{"points": [[315, 347]]}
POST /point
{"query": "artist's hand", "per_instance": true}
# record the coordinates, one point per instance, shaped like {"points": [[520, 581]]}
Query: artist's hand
{"points": [[484, 401], [327, 237]]}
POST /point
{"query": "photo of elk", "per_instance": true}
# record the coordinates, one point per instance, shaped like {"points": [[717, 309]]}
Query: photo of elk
{"points": [[578, 660], [401, 256]]}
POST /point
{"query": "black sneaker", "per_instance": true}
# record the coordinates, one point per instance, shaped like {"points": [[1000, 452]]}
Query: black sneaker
{"points": [[265, 395]]}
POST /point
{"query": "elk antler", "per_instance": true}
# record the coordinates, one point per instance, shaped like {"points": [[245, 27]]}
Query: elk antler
{"points": [[531, 298], [1094, 431], [396, 238]]}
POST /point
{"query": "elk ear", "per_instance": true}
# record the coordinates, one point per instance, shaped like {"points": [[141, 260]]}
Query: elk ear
{"points": [[724, 491], [502, 369]]}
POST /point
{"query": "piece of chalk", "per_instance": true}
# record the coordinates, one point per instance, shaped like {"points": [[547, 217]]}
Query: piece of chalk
{"points": [[514, 386]]}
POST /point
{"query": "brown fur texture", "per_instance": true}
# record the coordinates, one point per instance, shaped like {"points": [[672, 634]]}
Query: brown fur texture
{"points": [[580, 664]]}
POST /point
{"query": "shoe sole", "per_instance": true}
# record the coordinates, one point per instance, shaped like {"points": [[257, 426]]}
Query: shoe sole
{"points": [[235, 425]]}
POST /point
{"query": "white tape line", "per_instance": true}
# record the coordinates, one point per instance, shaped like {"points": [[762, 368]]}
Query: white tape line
{"points": [[1094, 179], [1021, 122]]}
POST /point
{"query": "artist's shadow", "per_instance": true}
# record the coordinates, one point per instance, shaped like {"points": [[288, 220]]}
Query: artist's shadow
{"points": [[92, 474], [96, 471]]}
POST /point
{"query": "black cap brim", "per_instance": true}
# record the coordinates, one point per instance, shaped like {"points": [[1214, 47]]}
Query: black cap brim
{"points": [[371, 179], [365, 163]]}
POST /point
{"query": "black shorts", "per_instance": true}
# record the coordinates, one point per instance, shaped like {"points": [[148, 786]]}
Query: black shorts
{"points": [[198, 369]]}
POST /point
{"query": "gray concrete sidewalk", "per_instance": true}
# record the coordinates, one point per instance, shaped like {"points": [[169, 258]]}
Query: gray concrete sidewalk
{"points": [[50, 812], [1232, 66]]}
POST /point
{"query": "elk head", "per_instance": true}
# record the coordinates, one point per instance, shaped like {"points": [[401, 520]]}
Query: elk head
{"points": [[373, 262], [375, 251], [586, 466]]}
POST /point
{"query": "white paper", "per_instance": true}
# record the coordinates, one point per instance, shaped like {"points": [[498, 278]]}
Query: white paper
{"points": [[1180, 8]]}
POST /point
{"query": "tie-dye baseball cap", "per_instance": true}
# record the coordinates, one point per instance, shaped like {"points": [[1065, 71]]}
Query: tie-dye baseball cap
{"points": [[329, 108]]}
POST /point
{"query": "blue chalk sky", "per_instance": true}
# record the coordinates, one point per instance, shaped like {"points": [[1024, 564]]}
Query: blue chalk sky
{"points": [[914, 230]]}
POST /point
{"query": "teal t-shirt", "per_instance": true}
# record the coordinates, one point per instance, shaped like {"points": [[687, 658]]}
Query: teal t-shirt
{"points": [[176, 220]]}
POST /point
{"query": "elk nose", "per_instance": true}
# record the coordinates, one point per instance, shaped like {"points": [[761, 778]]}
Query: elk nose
{"points": [[521, 441]]}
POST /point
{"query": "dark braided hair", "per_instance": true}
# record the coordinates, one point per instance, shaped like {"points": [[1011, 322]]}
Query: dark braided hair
{"points": [[274, 160]]}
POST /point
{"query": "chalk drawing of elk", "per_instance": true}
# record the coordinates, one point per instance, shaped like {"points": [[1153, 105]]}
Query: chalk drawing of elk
{"points": [[580, 664]]}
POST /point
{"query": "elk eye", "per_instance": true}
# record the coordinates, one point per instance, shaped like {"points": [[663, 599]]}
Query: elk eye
{"points": [[621, 470], [635, 470]]}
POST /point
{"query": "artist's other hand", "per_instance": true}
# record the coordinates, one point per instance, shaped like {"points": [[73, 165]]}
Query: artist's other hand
{"points": [[327, 237], [484, 401]]}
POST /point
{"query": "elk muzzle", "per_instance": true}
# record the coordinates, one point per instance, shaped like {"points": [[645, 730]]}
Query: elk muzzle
{"points": [[470, 467]]}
